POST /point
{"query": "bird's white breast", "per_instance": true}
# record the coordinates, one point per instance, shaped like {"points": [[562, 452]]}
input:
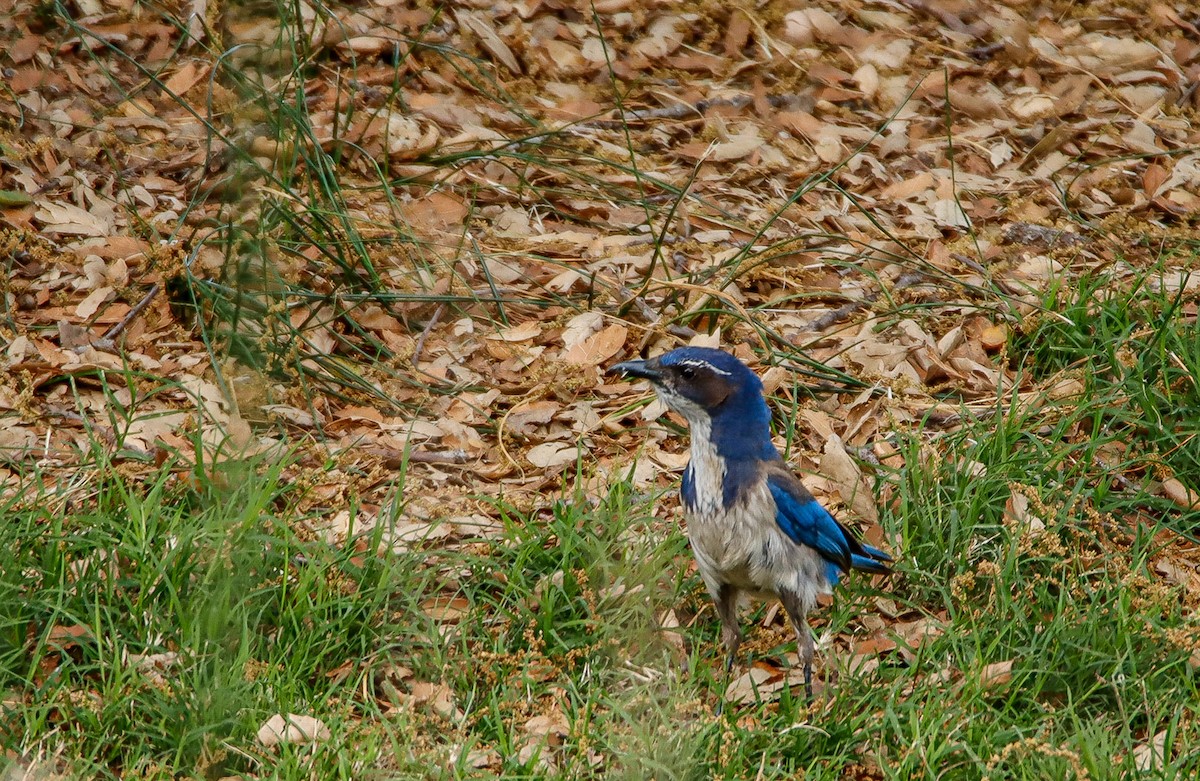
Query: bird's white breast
{"points": [[708, 472], [742, 545]]}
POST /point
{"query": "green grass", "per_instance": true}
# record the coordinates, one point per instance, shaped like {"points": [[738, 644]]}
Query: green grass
{"points": [[253, 617]]}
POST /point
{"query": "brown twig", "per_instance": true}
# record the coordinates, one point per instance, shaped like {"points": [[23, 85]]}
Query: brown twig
{"points": [[1003, 284], [112, 333], [420, 346], [438, 457], [647, 311], [839, 314], [652, 317], [986, 51], [396, 459], [698, 109]]}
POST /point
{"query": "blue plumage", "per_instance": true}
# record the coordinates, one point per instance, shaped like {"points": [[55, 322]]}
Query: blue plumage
{"points": [[687, 488], [753, 526], [806, 522]]}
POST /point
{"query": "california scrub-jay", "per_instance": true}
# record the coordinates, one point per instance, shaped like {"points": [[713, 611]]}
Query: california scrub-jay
{"points": [[752, 524]]}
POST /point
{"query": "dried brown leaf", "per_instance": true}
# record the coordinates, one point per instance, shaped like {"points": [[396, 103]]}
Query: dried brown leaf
{"points": [[597, 348], [292, 728], [1174, 489], [1151, 755], [549, 455], [491, 40], [996, 675]]}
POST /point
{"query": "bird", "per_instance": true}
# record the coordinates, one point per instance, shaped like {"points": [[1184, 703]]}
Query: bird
{"points": [[753, 527]]}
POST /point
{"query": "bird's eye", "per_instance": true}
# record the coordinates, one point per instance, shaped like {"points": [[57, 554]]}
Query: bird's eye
{"points": [[687, 372]]}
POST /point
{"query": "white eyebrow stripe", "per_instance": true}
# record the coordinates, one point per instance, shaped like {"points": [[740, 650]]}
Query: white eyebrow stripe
{"points": [[699, 364]]}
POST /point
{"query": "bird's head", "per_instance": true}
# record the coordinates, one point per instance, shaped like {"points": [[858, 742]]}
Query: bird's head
{"points": [[701, 383]]}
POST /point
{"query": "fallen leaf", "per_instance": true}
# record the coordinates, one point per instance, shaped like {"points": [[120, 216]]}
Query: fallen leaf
{"points": [[294, 415], [94, 300], [63, 637], [527, 330], [292, 728], [1180, 494], [446, 608], [551, 725], [744, 689], [837, 464], [996, 674], [552, 454], [598, 347], [914, 633], [993, 338], [1151, 755], [580, 327], [66, 218], [1017, 511], [491, 40]]}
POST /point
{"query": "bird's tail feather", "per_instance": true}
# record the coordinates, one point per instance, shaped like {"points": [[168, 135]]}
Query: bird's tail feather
{"points": [[876, 554], [873, 561]]}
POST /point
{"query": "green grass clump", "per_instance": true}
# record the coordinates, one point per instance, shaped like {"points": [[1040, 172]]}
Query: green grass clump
{"points": [[244, 618]]}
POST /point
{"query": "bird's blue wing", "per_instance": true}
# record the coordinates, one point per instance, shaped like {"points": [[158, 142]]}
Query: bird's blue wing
{"points": [[806, 522]]}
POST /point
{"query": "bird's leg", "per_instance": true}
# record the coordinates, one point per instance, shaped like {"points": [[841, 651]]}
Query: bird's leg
{"points": [[805, 646], [731, 633]]}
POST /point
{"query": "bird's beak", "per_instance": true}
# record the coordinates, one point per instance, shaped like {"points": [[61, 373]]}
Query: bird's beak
{"points": [[636, 369]]}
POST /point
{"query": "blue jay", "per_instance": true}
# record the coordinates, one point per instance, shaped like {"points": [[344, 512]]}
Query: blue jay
{"points": [[752, 524]]}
